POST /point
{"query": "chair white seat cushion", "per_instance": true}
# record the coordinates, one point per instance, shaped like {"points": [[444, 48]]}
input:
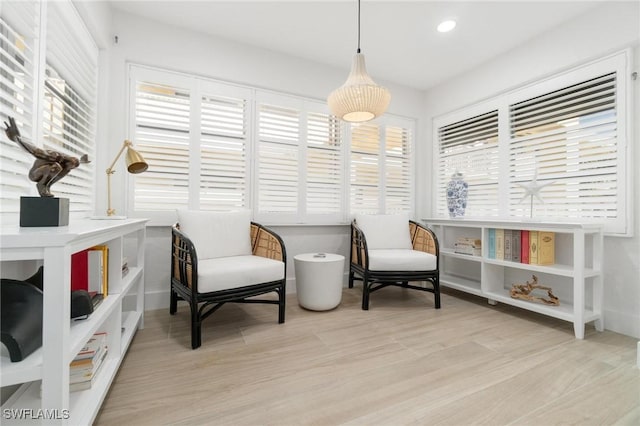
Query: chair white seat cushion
{"points": [[401, 260], [223, 273]]}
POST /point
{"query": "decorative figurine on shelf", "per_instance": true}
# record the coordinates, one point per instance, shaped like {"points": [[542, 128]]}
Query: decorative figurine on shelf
{"points": [[457, 191], [532, 189], [523, 291], [49, 166]]}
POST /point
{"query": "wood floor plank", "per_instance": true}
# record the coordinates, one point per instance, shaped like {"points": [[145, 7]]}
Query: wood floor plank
{"points": [[401, 362]]}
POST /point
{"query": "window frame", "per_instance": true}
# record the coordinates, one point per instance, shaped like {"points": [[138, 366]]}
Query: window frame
{"points": [[618, 62], [137, 72]]}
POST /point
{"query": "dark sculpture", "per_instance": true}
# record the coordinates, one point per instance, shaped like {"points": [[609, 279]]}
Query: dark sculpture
{"points": [[21, 322], [49, 166]]}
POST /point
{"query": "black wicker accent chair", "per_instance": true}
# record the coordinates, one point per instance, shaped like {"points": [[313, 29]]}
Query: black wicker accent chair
{"points": [[416, 259], [207, 284]]}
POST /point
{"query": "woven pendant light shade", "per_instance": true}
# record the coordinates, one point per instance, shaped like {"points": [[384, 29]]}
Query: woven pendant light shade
{"points": [[359, 98]]}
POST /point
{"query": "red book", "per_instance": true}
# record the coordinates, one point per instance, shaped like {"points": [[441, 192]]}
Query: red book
{"points": [[524, 247], [80, 270]]}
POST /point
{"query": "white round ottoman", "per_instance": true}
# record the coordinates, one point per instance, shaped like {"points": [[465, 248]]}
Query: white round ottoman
{"points": [[319, 280]]}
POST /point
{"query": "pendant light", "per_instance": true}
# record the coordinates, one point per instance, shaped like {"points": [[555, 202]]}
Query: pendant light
{"points": [[359, 98]]}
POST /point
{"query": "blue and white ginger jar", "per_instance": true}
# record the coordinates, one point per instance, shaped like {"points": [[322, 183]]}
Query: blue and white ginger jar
{"points": [[457, 190]]}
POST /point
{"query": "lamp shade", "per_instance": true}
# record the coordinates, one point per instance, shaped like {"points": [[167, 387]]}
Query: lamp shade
{"points": [[135, 162], [359, 99]]}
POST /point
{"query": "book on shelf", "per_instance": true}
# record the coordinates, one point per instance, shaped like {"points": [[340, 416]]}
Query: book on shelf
{"points": [[86, 381], [125, 266], [466, 245], [524, 246], [508, 240], [533, 247], [546, 248], [93, 344], [515, 245], [500, 244], [492, 243], [80, 270], [99, 269], [86, 364]]}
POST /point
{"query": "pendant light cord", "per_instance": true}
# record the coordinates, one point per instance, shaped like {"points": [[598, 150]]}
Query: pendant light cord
{"points": [[358, 27]]}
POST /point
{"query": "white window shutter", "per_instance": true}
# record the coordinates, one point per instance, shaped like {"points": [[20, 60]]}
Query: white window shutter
{"points": [[365, 168], [19, 26], [324, 166], [224, 173], [162, 117], [278, 159], [70, 93], [569, 137], [470, 147], [398, 145]]}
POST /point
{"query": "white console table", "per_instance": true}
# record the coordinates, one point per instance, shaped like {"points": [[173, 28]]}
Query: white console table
{"points": [[44, 375], [579, 250]]}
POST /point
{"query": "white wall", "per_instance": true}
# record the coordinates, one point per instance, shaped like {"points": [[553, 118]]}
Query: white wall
{"points": [[602, 30], [149, 43]]}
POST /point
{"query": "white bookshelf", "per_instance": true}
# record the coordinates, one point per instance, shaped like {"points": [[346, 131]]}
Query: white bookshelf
{"points": [[43, 376], [576, 276]]}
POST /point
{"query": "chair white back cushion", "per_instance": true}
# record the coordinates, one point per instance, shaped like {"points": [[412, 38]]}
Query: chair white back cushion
{"points": [[385, 231], [217, 234]]}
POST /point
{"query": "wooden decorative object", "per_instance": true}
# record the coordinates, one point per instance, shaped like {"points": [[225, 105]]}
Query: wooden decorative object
{"points": [[524, 291]]}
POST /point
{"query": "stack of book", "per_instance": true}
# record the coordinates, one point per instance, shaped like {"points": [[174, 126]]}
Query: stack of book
{"points": [[524, 246], [465, 245], [86, 365], [125, 266]]}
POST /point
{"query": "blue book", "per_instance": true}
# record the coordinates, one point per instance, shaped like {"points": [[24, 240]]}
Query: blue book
{"points": [[492, 243]]}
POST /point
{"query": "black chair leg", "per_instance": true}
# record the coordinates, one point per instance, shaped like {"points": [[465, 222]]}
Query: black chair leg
{"points": [[436, 292], [196, 330], [173, 303], [350, 279], [365, 294], [281, 305]]}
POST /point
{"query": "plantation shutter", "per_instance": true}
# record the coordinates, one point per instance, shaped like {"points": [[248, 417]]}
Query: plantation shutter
{"points": [[278, 157], [19, 26], [569, 136], [324, 166], [470, 146], [365, 168], [162, 123], [398, 170], [70, 93], [224, 172]]}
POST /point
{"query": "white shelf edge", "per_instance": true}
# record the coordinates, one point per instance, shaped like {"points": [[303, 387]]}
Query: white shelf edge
{"points": [[450, 253], [556, 269], [564, 311]]}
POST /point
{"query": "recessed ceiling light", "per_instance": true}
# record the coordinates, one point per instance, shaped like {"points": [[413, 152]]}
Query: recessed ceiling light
{"points": [[446, 26]]}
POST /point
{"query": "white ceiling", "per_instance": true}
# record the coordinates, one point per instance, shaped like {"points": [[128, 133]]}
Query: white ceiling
{"points": [[399, 38]]}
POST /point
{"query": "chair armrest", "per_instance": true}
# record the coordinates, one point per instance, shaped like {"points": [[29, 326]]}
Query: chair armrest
{"points": [[359, 250], [184, 259], [423, 239], [266, 243]]}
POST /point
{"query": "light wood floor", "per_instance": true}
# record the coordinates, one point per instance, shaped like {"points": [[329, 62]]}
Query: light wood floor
{"points": [[402, 362]]}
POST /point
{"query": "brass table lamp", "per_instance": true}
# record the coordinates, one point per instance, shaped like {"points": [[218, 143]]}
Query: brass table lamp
{"points": [[135, 165]]}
